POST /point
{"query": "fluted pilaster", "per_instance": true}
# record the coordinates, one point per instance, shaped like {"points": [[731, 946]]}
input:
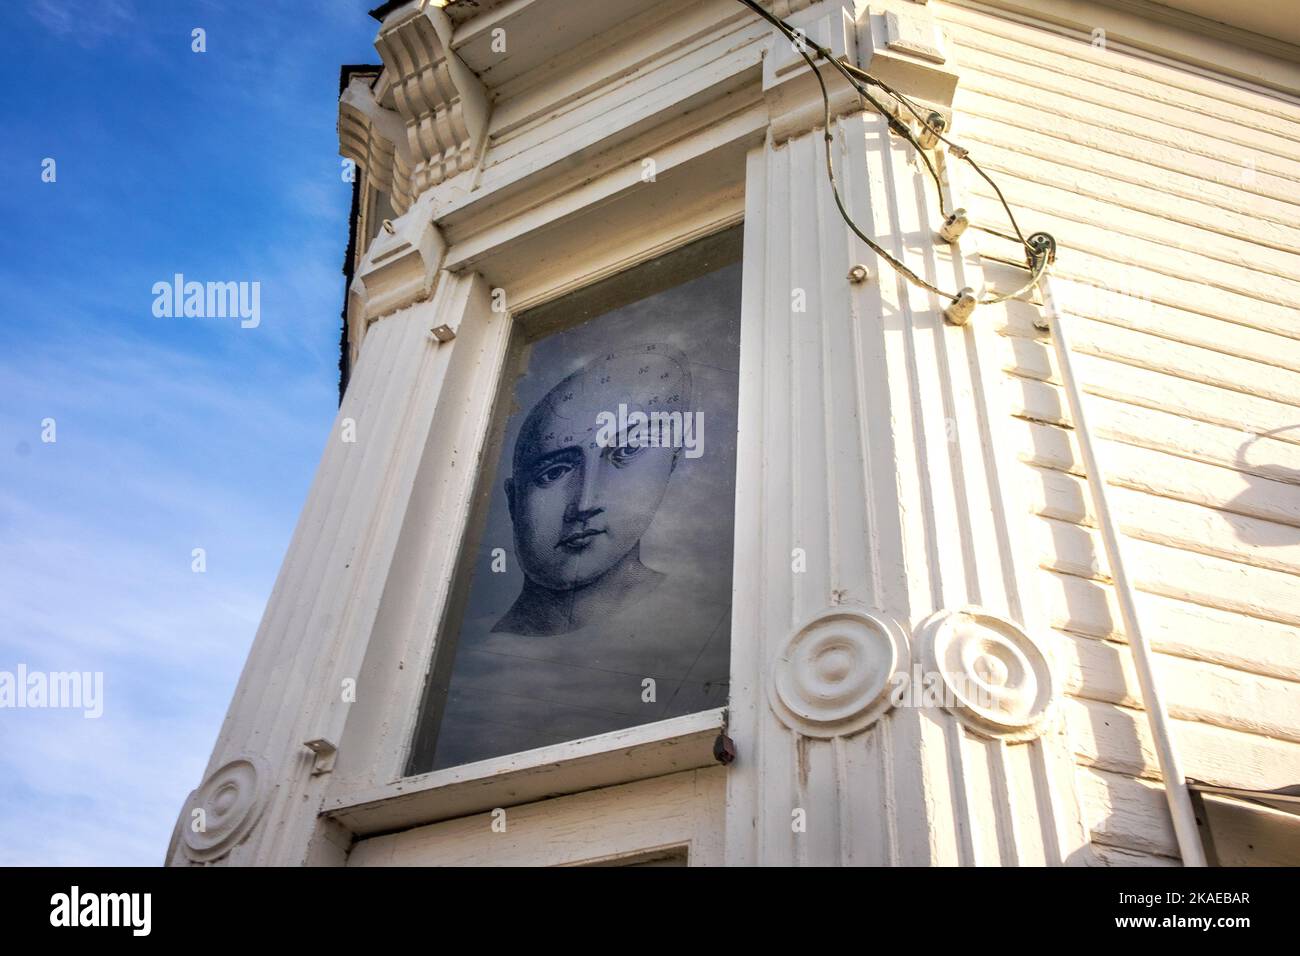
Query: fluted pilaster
{"points": [[881, 508]]}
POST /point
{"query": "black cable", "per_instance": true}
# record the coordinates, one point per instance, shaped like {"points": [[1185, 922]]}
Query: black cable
{"points": [[799, 44], [1039, 248]]}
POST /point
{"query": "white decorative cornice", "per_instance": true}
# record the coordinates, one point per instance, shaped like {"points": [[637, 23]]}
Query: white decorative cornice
{"points": [[375, 139], [443, 104]]}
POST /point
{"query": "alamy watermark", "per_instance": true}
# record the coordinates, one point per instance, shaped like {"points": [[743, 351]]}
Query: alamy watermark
{"points": [[934, 689], [75, 908], [209, 300], [638, 429], [60, 690]]}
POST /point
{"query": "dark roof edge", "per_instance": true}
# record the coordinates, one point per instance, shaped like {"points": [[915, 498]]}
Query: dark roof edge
{"points": [[384, 9], [348, 70], [349, 257]]}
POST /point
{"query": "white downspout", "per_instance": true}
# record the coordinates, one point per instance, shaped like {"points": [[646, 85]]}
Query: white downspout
{"points": [[1180, 802]]}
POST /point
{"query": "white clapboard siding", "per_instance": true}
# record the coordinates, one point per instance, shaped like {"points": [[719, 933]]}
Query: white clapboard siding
{"points": [[1088, 608], [1126, 117], [1038, 401], [1126, 109], [1127, 813], [682, 810], [1173, 572], [1134, 232], [1172, 390], [1070, 549], [1213, 582], [1170, 282], [1029, 358], [1194, 690], [1175, 325], [1047, 445], [1118, 739], [1175, 201], [1242, 448], [1057, 153], [1161, 473], [1262, 543], [1006, 121], [1185, 101], [1177, 255], [1103, 855], [1229, 216], [1270, 392], [1154, 79]]}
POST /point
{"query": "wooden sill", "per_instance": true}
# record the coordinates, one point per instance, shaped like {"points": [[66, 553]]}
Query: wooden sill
{"points": [[622, 756]]}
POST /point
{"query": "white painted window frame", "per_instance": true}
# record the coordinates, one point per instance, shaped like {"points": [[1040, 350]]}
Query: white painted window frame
{"points": [[376, 796]]}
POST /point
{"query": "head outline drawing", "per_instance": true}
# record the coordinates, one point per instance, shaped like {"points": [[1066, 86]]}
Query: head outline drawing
{"points": [[579, 509]]}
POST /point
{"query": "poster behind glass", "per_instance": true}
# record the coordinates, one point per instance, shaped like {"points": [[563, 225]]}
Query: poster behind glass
{"points": [[600, 594]]}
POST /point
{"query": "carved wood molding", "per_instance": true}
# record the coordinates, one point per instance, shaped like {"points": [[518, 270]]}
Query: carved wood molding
{"points": [[437, 123], [443, 105], [398, 269], [375, 139], [225, 808]]}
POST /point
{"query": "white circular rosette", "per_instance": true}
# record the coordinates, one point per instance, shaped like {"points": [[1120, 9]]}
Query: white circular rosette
{"points": [[834, 674], [231, 800], [996, 679]]}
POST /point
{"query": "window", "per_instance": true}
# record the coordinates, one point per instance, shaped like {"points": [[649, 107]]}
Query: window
{"points": [[593, 591]]}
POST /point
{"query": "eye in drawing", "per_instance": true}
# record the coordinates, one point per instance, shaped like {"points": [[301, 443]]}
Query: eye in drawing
{"points": [[552, 473], [624, 453]]}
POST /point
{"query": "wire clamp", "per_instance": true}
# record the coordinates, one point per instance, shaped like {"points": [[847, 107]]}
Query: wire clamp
{"points": [[959, 310], [930, 131], [1041, 248], [954, 226]]}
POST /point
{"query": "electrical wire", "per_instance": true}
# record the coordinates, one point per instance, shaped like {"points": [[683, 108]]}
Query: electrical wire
{"points": [[1040, 248]]}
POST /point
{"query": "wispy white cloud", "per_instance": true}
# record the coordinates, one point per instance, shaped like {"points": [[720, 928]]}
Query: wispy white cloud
{"points": [[87, 22], [157, 452], [96, 792], [172, 433]]}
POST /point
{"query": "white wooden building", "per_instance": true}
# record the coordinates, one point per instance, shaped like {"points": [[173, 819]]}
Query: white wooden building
{"points": [[1067, 529]]}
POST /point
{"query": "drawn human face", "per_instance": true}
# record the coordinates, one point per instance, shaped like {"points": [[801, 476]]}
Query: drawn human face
{"points": [[578, 508]]}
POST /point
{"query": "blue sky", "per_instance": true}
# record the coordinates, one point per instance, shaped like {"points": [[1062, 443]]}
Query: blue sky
{"points": [[172, 433]]}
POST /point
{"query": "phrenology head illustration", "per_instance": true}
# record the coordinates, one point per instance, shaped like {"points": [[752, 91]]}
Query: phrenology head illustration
{"points": [[580, 505]]}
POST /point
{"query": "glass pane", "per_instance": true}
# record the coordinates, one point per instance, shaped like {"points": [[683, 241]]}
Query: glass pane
{"points": [[597, 590]]}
